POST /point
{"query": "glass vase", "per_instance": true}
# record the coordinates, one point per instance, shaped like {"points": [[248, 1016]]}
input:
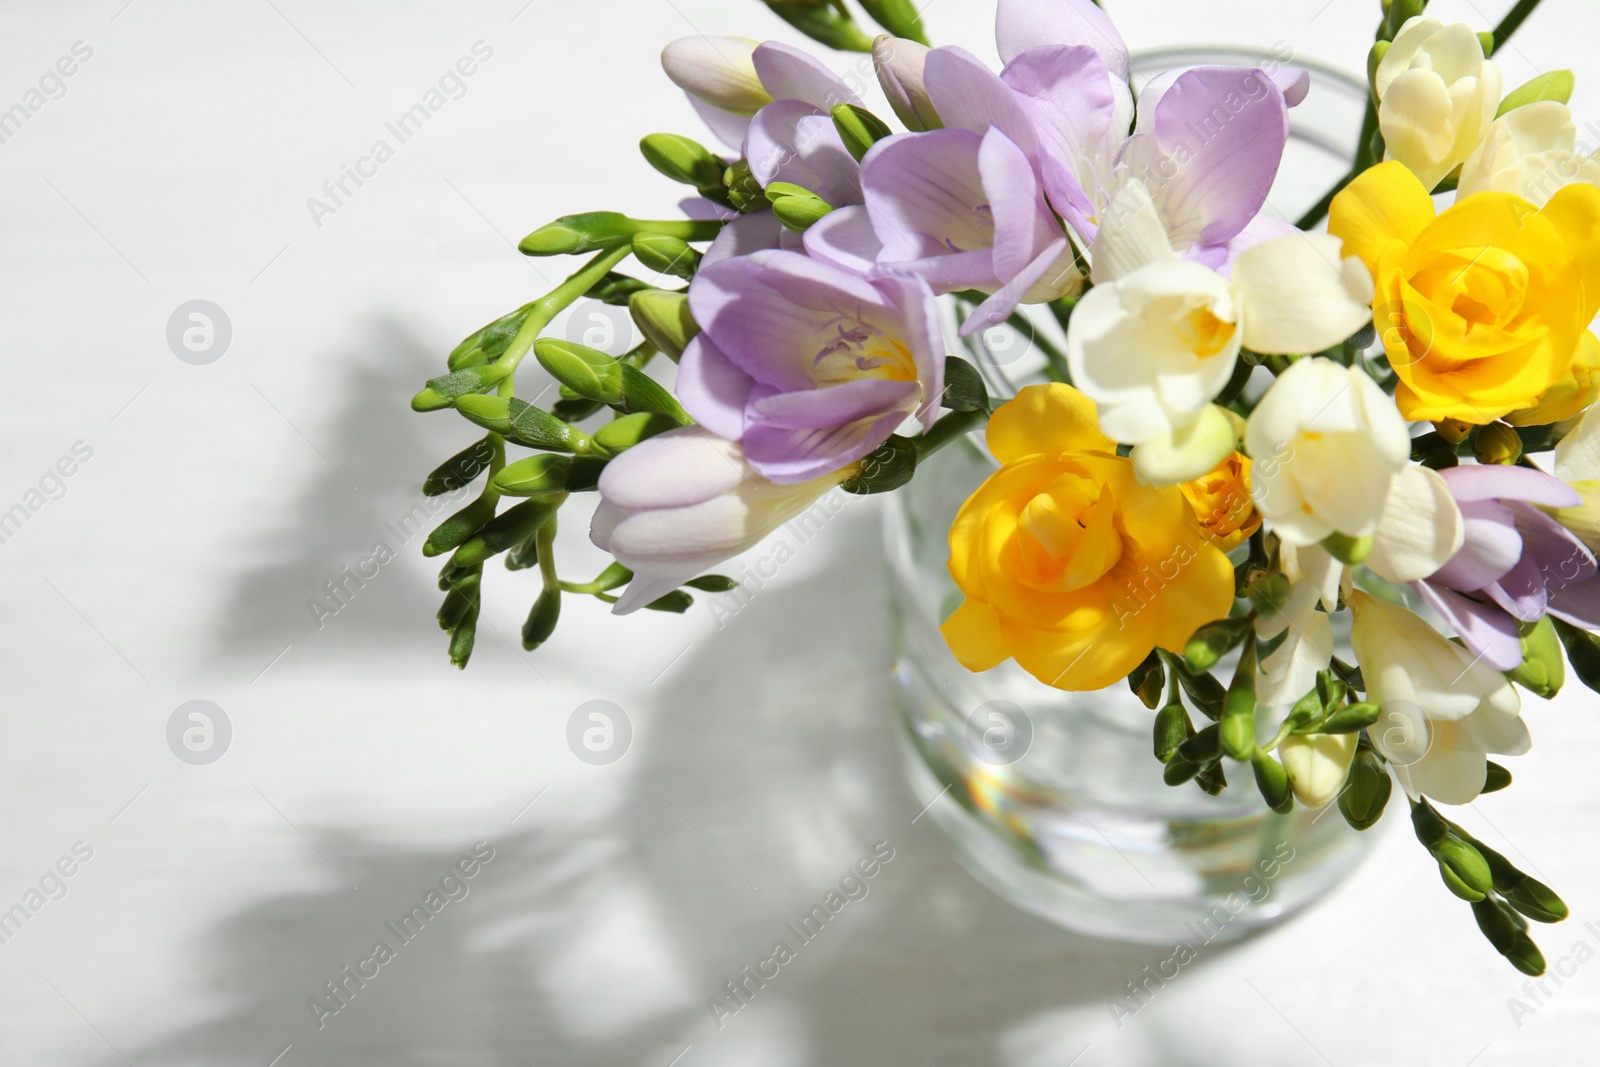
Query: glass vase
{"points": [[1054, 799]]}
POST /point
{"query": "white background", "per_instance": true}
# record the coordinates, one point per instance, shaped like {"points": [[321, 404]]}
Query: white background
{"points": [[219, 498]]}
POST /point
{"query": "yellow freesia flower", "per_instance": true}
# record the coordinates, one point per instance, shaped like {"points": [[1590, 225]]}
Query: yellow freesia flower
{"points": [[1572, 395], [1069, 564], [1222, 504], [1481, 308]]}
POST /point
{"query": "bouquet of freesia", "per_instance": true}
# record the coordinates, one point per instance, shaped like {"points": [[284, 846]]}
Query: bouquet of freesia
{"points": [[1251, 427]]}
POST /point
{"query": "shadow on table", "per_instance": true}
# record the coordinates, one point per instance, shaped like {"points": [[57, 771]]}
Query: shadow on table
{"points": [[760, 778], [375, 453]]}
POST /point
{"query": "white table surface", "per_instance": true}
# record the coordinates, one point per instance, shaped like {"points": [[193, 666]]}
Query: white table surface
{"points": [[179, 562]]}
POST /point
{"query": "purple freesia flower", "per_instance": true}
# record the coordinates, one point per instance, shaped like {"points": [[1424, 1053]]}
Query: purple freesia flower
{"points": [[793, 139], [1517, 563], [960, 211], [809, 366], [1208, 142]]}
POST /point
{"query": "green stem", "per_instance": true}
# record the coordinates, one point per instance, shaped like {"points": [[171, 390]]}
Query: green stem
{"points": [[952, 427], [547, 555], [1365, 158], [1513, 21], [553, 303]]}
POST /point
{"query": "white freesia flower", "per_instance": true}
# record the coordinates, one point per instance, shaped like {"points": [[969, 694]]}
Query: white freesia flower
{"points": [[1326, 443], [1420, 529], [1437, 96], [1532, 152], [676, 505], [1443, 710], [1318, 765], [1157, 338], [1307, 648], [719, 71]]}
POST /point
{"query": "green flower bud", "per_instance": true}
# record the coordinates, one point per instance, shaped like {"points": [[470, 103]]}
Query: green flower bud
{"points": [[542, 619], [1203, 747], [859, 128], [1526, 957], [534, 476], [1374, 57], [664, 319], [822, 21], [1583, 652], [455, 531], [1453, 882], [462, 640], [1554, 85], [1452, 431], [1537, 901], [587, 372], [1273, 782], [677, 602], [1495, 778], [1496, 443], [682, 160], [519, 421], [460, 600], [1543, 669], [1239, 705], [1212, 779], [1401, 12], [797, 208], [490, 412], [491, 341], [713, 583], [1347, 549], [1147, 680], [899, 17], [1214, 640], [1202, 689], [744, 192], [1430, 827], [1465, 862], [1367, 790], [1351, 718], [1172, 729], [460, 470], [666, 255], [1179, 771], [592, 231], [1268, 591], [443, 391], [507, 530], [623, 433], [614, 576], [1498, 925], [1486, 42], [616, 289]]}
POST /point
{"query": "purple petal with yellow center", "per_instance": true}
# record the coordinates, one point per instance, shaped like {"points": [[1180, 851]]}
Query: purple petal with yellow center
{"points": [[810, 366]]}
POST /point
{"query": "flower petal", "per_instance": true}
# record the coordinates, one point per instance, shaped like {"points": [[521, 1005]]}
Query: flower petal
{"points": [[1300, 294], [790, 74], [844, 238], [1043, 419], [1421, 527], [1024, 24], [1384, 208], [1208, 192], [712, 388]]}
